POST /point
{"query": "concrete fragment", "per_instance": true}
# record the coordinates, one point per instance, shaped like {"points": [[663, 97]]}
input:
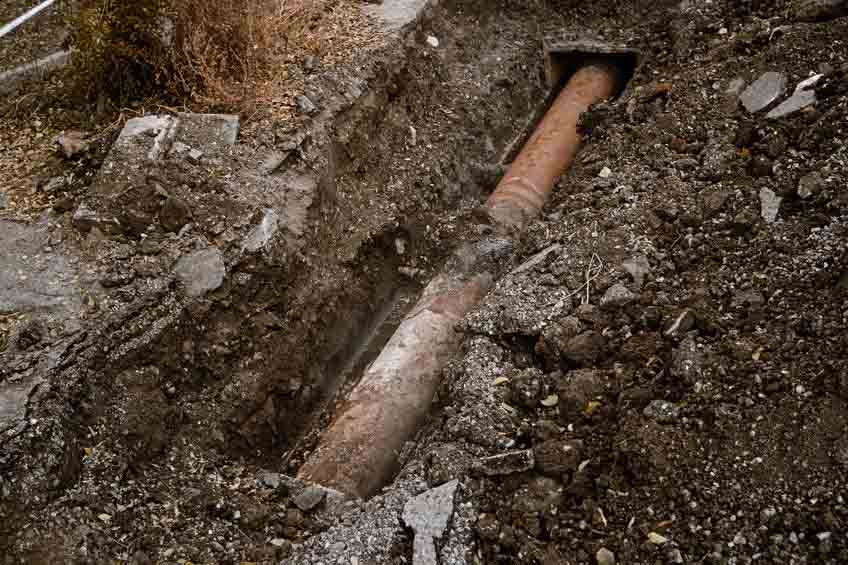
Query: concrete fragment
{"points": [[798, 101], [208, 131], [428, 515], [770, 204], [605, 557], [617, 296], [396, 14], [305, 105], [201, 271], [260, 235], [764, 91], [309, 498], [505, 463]]}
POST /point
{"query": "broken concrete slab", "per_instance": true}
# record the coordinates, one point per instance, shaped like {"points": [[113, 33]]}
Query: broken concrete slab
{"points": [[32, 280], [396, 14], [798, 101], [201, 271], [428, 515], [208, 131], [764, 91]]}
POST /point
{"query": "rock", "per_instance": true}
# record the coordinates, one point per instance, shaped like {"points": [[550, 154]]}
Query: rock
{"points": [[818, 10], [798, 101], [638, 268], [270, 480], [662, 411], [684, 322], [262, 234], [428, 515], [208, 131], [605, 557], [174, 214], [4, 200], [770, 204], [201, 271], [71, 144], [555, 336], [577, 391], [556, 457], [675, 557], [761, 166], [309, 498], [810, 185], [194, 156], [687, 164], [527, 388], [714, 201], [617, 296], [764, 91], [585, 348], [305, 105], [605, 173], [432, 41], [505, 464]]}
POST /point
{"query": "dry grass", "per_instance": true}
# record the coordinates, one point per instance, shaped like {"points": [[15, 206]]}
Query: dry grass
{"points": [[226, 54]]}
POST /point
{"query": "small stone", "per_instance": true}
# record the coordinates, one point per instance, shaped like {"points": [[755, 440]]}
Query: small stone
{"points": [[605, 173], [584, 349], [432, 41], [270, 480], [576, 393], [263, 233], [714, 201], [305, 105], [194, 156], [770, 204], [556, 457], [617, 296], [71, 144], [662, 411], [810, 185], [279, 542], [505, 464], [638, 268], [605, 557], [85, 218], [764, 92], [201, 271], [309, 498], [174, 214], [54, 185], [675, 557], [4, 200]]}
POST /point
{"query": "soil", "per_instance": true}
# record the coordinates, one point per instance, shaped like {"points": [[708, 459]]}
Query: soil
{"points": [[670, 362]]}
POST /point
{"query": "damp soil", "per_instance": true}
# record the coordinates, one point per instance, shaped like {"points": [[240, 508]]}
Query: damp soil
{"points": [[698, 415]]}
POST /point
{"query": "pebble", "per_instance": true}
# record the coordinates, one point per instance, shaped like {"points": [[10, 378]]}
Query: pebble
{"points": [[605, 557], [584, 349], [305, 105], [309, 498], [617, 296], [764, 91], [770, 204], [432, 41], [4, 201], [201, 271], [605, 173], [578, 390], [555, 457], [638, 268], [662, 411], [810, 185]]}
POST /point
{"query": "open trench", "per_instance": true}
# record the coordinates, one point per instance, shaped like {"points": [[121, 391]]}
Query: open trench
{"points": [[255, 375]]}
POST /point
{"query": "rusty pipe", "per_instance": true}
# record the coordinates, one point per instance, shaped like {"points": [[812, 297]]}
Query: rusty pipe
{"points": [[358, 453], [528, 183]]}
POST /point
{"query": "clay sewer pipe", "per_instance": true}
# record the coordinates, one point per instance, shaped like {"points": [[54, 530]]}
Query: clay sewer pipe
{"points": [[358, 453]]}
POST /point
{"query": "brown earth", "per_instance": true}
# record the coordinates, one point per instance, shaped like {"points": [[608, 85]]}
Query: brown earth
{"points": [[700, 406]]}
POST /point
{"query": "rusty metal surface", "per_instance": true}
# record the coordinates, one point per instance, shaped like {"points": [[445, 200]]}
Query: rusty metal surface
{"points": [[358, 452], [528, 183]]}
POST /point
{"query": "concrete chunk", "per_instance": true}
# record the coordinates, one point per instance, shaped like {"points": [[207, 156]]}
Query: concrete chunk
{"points": [[202, 271], [764, 92], [428, 515]]}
